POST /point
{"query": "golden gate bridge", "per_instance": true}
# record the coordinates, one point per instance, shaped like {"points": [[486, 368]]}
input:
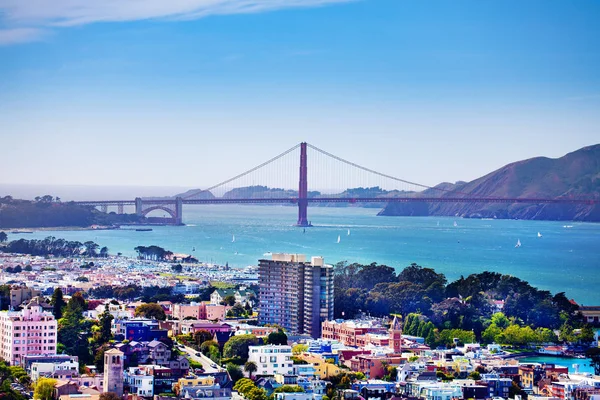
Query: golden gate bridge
{"points": [[284, 179]]}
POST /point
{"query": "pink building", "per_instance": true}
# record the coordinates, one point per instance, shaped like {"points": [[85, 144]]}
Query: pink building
{"points": [[31, 331], [200, 311]]}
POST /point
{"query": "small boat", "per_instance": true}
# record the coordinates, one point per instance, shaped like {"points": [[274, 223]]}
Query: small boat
{"points": [[339, 239], [233, 238], [518, 243], [193, 249], [539, 234], [348, 232], [455, 224], [143, 230]]}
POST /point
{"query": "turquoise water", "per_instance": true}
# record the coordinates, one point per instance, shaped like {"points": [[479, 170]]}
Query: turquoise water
{"points": [[583, 364], [565, 259]]}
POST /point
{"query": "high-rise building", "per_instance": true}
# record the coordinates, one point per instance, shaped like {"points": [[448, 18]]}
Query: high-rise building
{"points": [[31, 331], [294, 293]]}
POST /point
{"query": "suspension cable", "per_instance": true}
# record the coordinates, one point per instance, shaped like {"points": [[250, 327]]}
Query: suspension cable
{"points": [[244, 173], [379, 173]]}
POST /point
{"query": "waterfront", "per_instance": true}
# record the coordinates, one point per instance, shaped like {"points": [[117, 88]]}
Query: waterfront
{"points": [[565, 258], [574, 364]]}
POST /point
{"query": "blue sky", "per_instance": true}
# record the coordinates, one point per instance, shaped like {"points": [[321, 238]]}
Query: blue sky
{"points": [[159, 93]]}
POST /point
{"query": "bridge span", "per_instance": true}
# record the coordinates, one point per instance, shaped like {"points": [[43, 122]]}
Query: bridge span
{"points": [[352, 175]]}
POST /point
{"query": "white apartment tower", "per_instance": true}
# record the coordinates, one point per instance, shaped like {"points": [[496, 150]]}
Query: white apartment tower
{"points": [[294, 293]]}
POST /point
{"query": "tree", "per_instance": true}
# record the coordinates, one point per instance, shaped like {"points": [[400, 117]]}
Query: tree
{"points": [[150, 310], [3, 237], [105, 321], [77, 302], [278, 337], [177, 268], [238, 346], [500, 320], [28, 268], [234, 372], [44, 389], [475, 375], [299, 348], [109, 396], [250, 367], [202, 336], [593, 353], [104, 252], [228, 300], [587, 334], [58, 303]]}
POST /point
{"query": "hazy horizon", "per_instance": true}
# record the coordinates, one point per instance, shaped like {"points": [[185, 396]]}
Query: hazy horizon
{"points": [[190, 93]]}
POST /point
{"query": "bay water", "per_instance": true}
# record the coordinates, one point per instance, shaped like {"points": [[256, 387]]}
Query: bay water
{"points": [[565, 259]]}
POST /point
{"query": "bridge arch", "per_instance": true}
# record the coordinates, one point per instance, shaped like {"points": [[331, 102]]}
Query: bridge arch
{"points": [[148, 210]]}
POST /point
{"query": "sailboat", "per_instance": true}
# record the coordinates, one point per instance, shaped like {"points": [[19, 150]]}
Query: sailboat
{"points": [[438, 223], [539, 234], [233, 239], [339, 239], [455, 224], [193, 248], [348, 232], [518, 243]]}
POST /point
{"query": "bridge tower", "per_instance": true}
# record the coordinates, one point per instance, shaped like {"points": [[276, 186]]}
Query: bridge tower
{"points": [[139, 210], [303, 189], [178, 211]]}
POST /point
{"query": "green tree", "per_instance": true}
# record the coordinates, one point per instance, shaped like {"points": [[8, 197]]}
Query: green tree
{"points": [[58, 303], [44, 389], [202, 336], [593, 353], [3, 237], [238, 346], [250, 367], [228, 300], [177, 268], [150, 310], [491, 333], [587, 334], [105, 321], [278, 337], [475, 375], [234, 372], [299, 348], [500, 320]]}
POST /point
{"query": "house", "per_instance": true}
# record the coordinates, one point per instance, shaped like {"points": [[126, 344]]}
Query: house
{"points": [[241, 295], [271, 359]]}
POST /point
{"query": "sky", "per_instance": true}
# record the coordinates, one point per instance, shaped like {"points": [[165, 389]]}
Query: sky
{"points": [[187, 93]]}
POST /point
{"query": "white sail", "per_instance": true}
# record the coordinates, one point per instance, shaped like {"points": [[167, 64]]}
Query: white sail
{"points": [[539, 234], [348, 232], [233, 238], [339, 239], [455, 224], [518, 243]]}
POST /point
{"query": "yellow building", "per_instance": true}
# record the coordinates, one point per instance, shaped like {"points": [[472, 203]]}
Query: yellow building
{"points": [[193, 381], [323, 369]]}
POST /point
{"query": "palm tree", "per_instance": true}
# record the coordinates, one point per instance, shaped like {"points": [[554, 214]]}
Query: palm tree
{"points": [[250, 367]]}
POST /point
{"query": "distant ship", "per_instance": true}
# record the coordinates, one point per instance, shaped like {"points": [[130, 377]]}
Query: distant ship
{"points": [[339, 239], [193, 249], [233, 238], [539, 234], [143, 229], [348, 232], [455, 224], [518, 243]]}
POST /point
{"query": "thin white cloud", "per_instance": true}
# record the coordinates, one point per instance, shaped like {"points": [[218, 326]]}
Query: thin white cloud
{"points": [[78, 12], [20, 35]]}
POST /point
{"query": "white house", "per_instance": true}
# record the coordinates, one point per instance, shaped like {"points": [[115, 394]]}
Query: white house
{"points": [[64, 370], [272, 359], [139, 383]]}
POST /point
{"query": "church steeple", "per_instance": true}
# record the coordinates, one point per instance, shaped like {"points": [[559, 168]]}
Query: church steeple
{"points": [[396, 335]]}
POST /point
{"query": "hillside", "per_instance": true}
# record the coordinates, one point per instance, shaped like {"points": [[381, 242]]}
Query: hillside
{"points": [[576, 174], [47, 212]]}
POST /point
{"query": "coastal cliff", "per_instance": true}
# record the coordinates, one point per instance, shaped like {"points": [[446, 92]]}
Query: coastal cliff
{"points": [[575, 175]]}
